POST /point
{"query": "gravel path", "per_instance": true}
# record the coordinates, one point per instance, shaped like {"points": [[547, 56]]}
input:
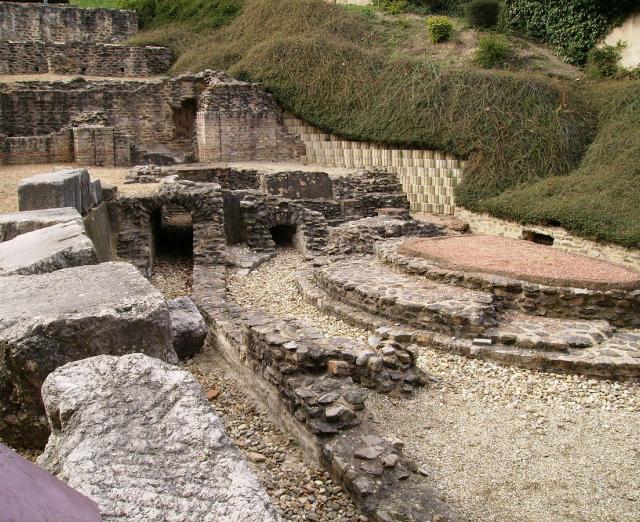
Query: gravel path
{"points": [[502, 443]]}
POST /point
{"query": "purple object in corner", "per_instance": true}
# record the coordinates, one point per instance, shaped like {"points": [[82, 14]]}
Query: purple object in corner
{"points": [[30, 494]]}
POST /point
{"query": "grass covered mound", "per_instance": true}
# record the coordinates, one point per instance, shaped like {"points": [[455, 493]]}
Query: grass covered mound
{"points": [[342, 70], [601, 198]]}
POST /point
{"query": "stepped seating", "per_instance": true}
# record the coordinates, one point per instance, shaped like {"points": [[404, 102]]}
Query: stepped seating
{"points": [[505, 300], [594, 348], [368, 285], [428, 177]]}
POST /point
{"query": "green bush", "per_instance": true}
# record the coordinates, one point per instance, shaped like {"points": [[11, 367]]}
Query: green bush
{"points": [[483, 13], [602, 62], [572, 27], [439, 28], [391, 6], [493, 52]]}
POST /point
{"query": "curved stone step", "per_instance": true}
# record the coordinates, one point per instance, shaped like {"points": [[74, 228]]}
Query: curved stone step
{"points": [[619, 306], [616, 355], [371, 286]]}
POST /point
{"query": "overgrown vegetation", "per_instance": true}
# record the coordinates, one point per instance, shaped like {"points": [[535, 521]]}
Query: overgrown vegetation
{"points": [[601, 199], [483, 13], [572, 27], [493, 52], [334, 67], [439, 28], [602, 62], [198, 14]]}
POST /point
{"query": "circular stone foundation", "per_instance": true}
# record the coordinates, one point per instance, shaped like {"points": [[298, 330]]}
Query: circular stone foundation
{"points": [[521, 260]]}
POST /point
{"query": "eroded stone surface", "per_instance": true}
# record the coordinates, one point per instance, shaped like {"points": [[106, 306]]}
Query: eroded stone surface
{"points": [[47, 249], [138, 436], [61, 188], [16, 223], [188, 327], [369, 285], [49, 320], [360, 235]]}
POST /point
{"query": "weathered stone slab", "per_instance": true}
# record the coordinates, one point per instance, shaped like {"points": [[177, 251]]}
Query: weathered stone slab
{"points": [[188, 327], [49, 320], [30, 493], [47, 249], [16, 223], [62, 188], [297, 185], [98, 227], [137, 436]]}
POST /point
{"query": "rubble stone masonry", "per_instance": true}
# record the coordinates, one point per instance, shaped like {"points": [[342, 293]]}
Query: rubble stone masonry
{"points": [[37, 22]]}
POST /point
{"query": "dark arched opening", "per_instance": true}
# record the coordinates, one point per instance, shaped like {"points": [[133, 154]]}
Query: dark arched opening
{"points": [[284, 235]]}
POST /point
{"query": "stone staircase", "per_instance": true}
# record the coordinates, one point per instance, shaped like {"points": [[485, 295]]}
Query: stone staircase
{"points": [[428, 177]]}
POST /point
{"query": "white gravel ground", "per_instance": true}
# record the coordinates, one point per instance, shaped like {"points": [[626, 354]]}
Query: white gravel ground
{"points": [[502, 443]]}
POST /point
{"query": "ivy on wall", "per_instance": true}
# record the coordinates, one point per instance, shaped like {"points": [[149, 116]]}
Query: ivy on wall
{"points": [[571, 27]]}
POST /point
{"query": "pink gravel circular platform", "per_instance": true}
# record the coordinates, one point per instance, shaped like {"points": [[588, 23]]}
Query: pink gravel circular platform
{"points": [[521, 260]]}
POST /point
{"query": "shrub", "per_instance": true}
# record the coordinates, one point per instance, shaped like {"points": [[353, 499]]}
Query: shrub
{"points": [[493, 52], [602, 62], [391, 6], [483, 13], [439, 28]]}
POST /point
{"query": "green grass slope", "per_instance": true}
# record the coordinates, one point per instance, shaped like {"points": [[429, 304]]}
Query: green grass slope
{"points": [[601, 198]]}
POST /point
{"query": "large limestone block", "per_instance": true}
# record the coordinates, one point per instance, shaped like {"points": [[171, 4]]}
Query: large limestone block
{"points": [[46, 250], [49, 320], [297, 184], [61, 188], [188, 327], [16, 223], [29, 493], [137, 436]]}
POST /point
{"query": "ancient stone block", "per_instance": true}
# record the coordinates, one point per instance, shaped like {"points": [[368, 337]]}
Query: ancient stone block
{"points": [[47, 249], [12, 225], [30, 493], [98, 228], [49, 320], [63, 188], [138, 436], [297, 185], [188, 327]]}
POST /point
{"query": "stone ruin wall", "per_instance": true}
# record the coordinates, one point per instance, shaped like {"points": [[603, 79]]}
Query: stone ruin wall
{"points": [[239, 121], [82, 58], [36, 22], [36, 120]]}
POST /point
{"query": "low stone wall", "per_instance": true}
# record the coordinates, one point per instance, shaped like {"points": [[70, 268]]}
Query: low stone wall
{"points": [[149, 112], [307, 381], [56, 147], [37, 22], [489, 225], [82, 58], [101, 146]]}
